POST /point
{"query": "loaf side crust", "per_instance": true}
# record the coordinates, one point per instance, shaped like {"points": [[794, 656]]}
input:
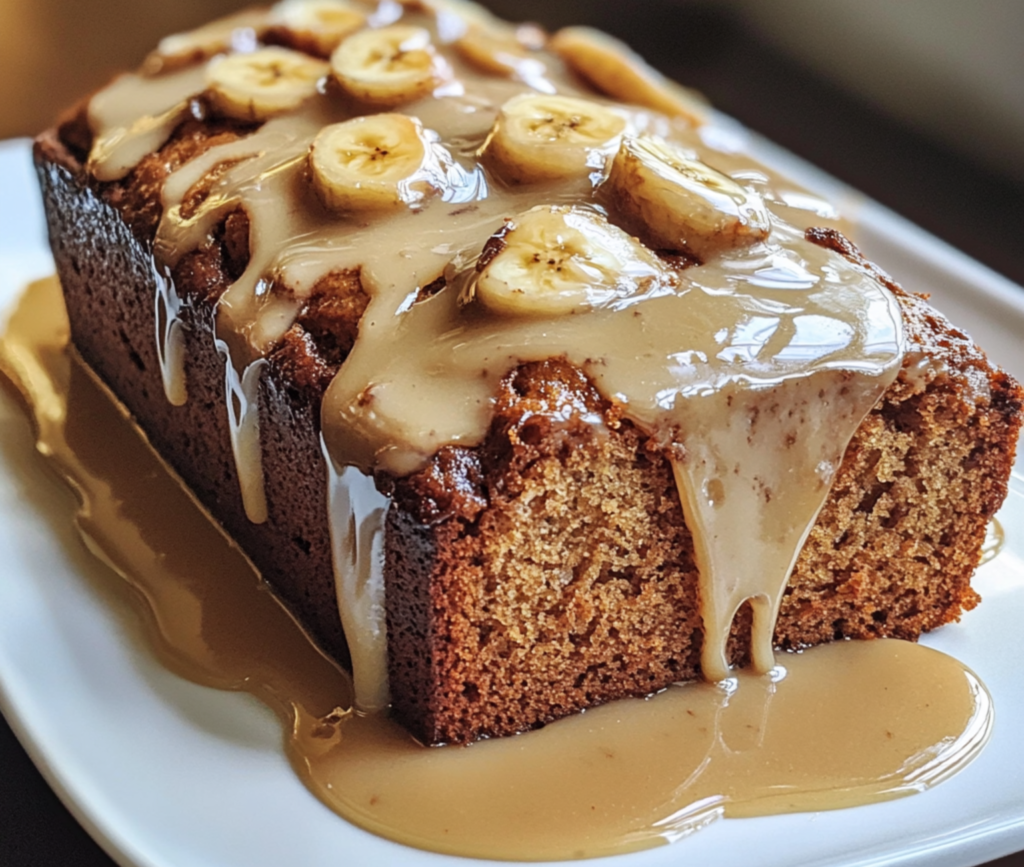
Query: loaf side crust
{"points": [[103, 252]]}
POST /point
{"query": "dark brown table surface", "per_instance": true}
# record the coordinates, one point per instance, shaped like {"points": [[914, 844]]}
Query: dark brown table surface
{"points": [[702, 45]]}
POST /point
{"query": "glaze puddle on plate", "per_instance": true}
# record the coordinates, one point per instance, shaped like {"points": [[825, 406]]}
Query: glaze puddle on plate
{"points": [[841, 725]]}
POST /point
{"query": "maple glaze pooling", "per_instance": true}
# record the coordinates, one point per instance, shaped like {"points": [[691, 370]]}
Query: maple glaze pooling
{"points": [[754, 368], [845, 724]]}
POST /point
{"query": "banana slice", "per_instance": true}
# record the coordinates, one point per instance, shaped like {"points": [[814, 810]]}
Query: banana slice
{"points": [[317, 26], [615, 69], [264, 83], [374, 162], [556, 260], [389, 66], [238, 32], [501, 52], [453, 17], [684, 203], [538, 137]]}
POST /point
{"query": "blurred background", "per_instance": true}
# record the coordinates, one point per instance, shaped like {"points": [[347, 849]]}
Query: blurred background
{"points": [[917, 103]]}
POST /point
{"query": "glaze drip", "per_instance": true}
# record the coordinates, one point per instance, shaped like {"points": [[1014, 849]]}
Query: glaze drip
{"points": [[170, 341], [357, 512]]}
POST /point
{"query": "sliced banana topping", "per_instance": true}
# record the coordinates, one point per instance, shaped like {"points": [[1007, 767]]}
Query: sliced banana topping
{"points": [[317, 26], [374, 162], [682, 203], [615, 69], [540, 137], [238, 32], [554, 260], [264, 83], [389, 66], [454, 17], [502, 52]]}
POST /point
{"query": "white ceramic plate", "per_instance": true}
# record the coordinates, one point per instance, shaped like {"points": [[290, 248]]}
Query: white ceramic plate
{"points": [[165, 773]]}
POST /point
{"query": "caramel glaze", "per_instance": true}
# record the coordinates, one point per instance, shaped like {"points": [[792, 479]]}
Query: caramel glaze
{"points": [[995, 538], [844, 724], [753, 369]]}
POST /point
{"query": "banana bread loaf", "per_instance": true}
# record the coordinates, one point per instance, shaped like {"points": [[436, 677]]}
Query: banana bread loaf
{"points": [[391, 316]]}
